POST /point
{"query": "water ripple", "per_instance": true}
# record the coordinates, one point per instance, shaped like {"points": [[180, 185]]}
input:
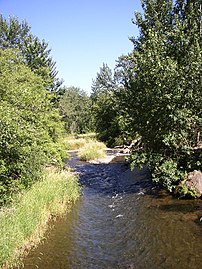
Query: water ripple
{"points": [[122, 222]]}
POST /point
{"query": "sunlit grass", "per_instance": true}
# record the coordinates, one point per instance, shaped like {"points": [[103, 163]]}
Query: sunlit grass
{"points": [[87, 135], [76, 142], [25, 223], [92, 150], [87, 145]]}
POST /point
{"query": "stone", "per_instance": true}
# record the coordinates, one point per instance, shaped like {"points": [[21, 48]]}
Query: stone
{"points": [[194, 181], [191, 186]]}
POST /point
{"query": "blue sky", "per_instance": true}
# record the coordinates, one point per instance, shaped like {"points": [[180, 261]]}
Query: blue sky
{"points": [[81, 34]]}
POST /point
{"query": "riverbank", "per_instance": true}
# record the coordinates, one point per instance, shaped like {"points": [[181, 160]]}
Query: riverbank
{"points": [[121, 220], [23, 224]]}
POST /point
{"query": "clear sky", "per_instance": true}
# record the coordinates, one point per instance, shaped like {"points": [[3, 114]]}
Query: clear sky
{"points": [[82, 34]]}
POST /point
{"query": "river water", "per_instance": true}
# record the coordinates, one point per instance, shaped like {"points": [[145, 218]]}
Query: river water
{"points": [[122, 221]]}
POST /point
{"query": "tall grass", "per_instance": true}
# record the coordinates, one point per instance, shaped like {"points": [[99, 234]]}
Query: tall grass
{"points": [[24, 225], [92, 150], [87, 135], [75, 142]]}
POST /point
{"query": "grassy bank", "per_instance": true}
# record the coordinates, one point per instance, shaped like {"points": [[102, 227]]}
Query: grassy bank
{"points": [[76, 142], [24, 224], [89, 148], [92, 150]]}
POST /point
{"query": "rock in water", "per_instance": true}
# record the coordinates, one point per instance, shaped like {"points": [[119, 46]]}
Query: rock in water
{"points": [[191, 187], [194, 181]]}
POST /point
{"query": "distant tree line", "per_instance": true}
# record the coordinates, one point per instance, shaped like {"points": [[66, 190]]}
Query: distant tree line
{"points": [[155, 93], [76, 109], [36, 110]]}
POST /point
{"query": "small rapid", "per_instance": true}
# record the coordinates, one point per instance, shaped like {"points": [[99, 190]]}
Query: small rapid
{"points": [[122, 221]]}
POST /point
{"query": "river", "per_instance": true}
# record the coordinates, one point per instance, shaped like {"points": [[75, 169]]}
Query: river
{"points": [[122, 221]]}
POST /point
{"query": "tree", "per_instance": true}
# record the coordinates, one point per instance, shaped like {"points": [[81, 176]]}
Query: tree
{"points": [[104, 106], [36, 54], [163, 93], [75, 108], [28, 130]]}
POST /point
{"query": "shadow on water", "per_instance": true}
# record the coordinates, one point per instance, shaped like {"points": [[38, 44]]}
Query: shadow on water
{"points": [[121, 221], [184, 208], [111, 178]]}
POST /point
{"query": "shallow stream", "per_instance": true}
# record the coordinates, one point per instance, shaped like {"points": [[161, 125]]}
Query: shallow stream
{"points": [[122, 221]]}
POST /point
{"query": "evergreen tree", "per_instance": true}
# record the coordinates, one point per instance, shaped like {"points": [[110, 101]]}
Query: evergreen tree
{"points": [[36, 54]]}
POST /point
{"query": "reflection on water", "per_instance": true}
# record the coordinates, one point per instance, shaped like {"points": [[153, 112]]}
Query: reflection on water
{"points": [[122, 221]]}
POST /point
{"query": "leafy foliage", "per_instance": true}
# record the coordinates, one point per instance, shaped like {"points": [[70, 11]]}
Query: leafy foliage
{"points": [[158, 90], [111, 121], [165, 91], [29, 125], [75, 108], [36, 54]]}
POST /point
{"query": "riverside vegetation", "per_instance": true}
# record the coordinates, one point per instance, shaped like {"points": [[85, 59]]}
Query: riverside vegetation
{"points": [[24, 221], [23, 224], [87, 145], [92, 150], [30, 138], [153, 95]]}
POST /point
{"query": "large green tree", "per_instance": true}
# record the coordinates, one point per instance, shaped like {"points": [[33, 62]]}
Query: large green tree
{"points": [[156, 90], [36, 54], [163, 93], [29, 125], [105, 106]]}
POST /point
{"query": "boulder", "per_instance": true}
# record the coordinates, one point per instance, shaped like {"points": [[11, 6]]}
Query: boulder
{"points": [[194, 182], [191, 187]]}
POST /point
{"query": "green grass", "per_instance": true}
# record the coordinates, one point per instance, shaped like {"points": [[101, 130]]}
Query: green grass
{"points": [[76, 142], [23, 225], [87, 135], [92, 150]]}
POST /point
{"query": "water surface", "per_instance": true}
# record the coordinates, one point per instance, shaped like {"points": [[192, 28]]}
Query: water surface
{"points": [[122, 221]]}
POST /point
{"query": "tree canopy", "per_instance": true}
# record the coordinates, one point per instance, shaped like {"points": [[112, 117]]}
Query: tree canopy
{"points": [[159, 88], [30, 124], [75, 108], [36, 54]]}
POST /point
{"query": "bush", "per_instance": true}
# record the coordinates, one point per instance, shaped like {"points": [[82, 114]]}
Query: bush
{"points": [[164, 171], [182, 191]]}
